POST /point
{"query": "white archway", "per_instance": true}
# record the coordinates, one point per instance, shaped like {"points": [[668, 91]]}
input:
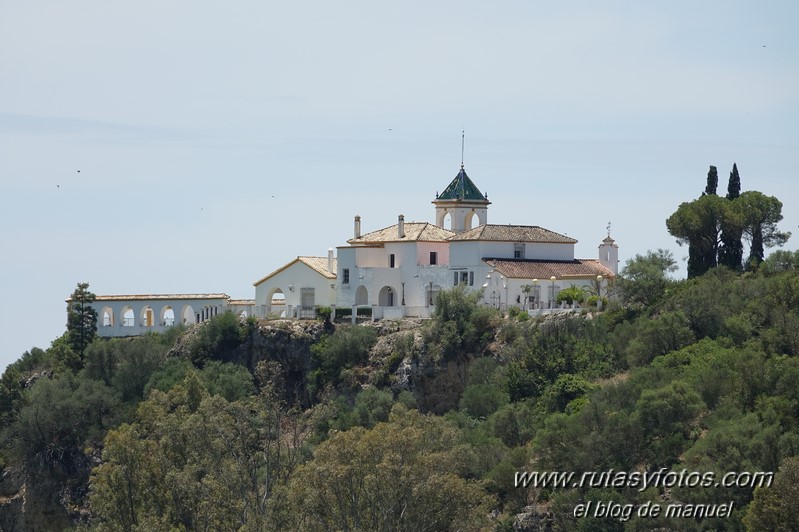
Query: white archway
{"points": [[467, 221], [387, 297], [127, 317], [361, 296], [187, 315], [167, 316], [147, 317], [106, 317], [446, 222]]}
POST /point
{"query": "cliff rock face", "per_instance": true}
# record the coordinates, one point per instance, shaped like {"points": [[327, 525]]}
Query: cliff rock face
{"points": [[12, 500]]}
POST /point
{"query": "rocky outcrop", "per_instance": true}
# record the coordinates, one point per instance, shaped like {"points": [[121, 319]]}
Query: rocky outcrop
{"points": [[535, 518]]}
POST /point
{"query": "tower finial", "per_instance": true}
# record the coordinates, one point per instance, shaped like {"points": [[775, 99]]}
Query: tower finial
{"points": [[463, 143], [608, 229]]}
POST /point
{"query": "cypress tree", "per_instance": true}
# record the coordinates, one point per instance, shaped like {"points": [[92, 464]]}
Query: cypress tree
{"points": [[734, 186], [712, 180], [731, 251]]}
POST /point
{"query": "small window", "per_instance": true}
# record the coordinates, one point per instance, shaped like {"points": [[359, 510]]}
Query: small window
{"points": [[391, 261], [433, 258], [346, 273], [455, 280], [464, 277], [518, 250], [471, 278]]}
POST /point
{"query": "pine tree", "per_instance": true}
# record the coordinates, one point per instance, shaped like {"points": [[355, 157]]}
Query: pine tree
{"points": [[81, 319]]}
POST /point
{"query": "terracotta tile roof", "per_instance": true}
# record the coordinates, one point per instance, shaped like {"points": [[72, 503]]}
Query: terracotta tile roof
{"points": [[318, 264], [462, 189], [544, 269], [513, 233], [414, 231], [159, 297]]}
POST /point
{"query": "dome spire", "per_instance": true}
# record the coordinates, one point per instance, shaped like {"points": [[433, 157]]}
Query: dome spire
{"points": [[463, 144]]}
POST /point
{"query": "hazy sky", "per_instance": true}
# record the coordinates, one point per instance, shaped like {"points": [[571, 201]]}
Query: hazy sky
{"points": [[218, 141]]}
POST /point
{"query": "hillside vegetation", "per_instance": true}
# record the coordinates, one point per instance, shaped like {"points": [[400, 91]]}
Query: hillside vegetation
{"points": [[419, 425]]}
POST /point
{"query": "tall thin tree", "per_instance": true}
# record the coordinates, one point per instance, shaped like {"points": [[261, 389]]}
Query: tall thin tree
{"points": [[731, 251], [734, 185], [81, 319], [712, 180]]}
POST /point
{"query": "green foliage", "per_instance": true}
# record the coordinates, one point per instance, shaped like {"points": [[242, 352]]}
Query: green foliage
{"points": [[667, 332], [347, 346], [32, 360], [713, 227], [191, 461], [171, 372], [57, 420], [700, 375], [774, 508], [540, 354], [231, 381], [460, 326], [514, 423], [644, 279], [699, 224], [218, 339], [564, 390], [324, 313], [761, 214], [371, 407], [10, 393], [666, 417], [81, 319], [780, 261], [400, 475], [482, 400], [125, 364]]}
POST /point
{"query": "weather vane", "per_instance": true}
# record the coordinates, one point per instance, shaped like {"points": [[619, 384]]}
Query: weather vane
{"points": [[463, 143]]}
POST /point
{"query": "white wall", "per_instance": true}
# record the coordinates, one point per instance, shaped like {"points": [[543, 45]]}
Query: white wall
{"points": [[188, 308], [297, 276]]}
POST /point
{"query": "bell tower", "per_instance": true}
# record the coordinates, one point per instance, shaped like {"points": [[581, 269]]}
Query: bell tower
{"points": [[609, 253], [462, 201]]}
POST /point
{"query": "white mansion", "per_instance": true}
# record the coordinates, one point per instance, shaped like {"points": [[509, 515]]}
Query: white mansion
{"points": [[395, 271]]}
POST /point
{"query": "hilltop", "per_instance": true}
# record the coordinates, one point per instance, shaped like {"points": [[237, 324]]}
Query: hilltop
{"points": [[259, 425]]}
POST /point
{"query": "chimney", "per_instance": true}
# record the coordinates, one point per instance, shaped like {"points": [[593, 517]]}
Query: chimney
{"points": [[401, 226], [357, 226], [331, 267]]}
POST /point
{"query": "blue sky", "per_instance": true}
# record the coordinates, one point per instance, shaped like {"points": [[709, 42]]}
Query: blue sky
{"points": [[217, 142]]}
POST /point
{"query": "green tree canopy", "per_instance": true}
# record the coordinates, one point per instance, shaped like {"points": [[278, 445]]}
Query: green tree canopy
{"points": [[761, 214], [400, 475], [700, 224], [644, 278]]}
